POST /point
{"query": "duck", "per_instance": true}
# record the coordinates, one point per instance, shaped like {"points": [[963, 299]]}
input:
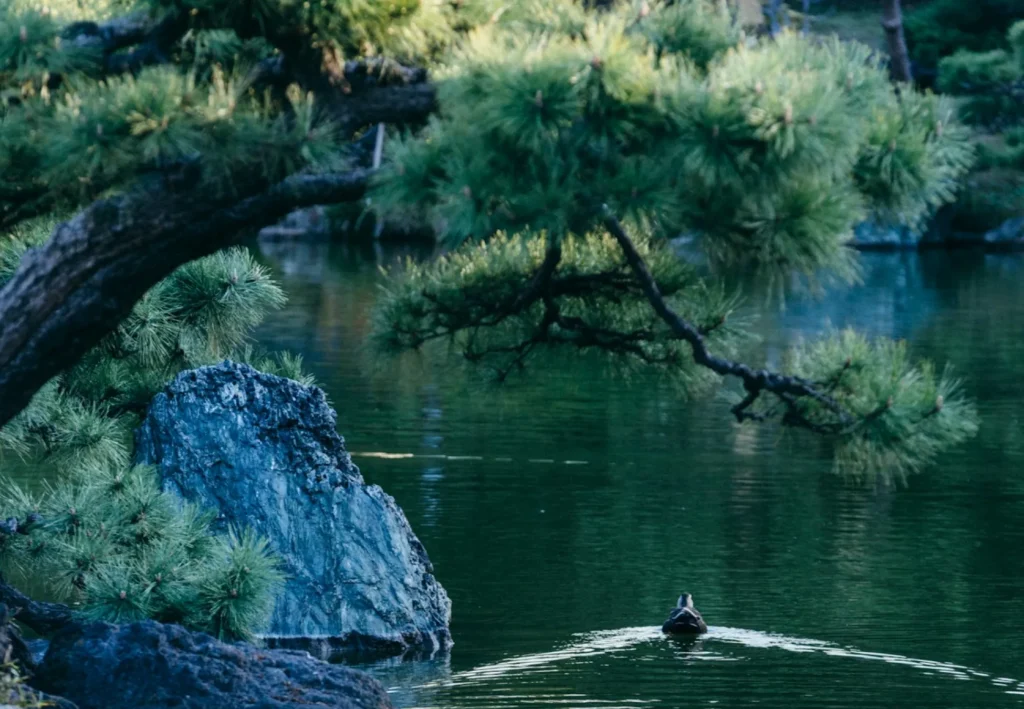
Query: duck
{"points": [[684, 619]]}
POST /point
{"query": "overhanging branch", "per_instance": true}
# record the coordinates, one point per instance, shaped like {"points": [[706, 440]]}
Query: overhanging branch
{"points": [[131, 42], [40, 617], [77, 287], [755, 381]]}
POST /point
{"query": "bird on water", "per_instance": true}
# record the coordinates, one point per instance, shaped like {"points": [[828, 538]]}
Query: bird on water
{"points": [[684, 618]]}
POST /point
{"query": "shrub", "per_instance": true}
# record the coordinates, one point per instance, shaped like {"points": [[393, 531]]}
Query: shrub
{"points": [[940, 28]]}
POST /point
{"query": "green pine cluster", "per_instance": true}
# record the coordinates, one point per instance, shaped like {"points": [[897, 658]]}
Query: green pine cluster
{"points": [[461, 299], [101, 535], [761, 154], [904, 413], [939, 28], [992, 81], [767, 152], [115, 547], [554, 118]]}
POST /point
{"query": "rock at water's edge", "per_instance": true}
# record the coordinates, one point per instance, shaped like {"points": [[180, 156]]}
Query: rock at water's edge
{"points": [[1009, 234], [15, 650], [149, 665], [264, 452]]}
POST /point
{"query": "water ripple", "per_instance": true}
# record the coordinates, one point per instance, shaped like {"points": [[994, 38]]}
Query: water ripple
{"points": [[590, 645]]}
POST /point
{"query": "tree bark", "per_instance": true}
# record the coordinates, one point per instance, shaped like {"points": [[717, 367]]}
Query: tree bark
{"points": [[72, 291], [899, 57], [39, 616], [75, 289]]}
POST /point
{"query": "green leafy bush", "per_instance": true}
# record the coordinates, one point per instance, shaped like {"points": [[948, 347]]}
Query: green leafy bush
{"points": [[989, 198]]}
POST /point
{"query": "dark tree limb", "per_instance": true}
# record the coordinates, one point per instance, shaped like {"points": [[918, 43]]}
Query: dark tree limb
{"points": [[70, 292], [899, 57], [755, 381], [402, 105], [39, 616], [131, 42]]}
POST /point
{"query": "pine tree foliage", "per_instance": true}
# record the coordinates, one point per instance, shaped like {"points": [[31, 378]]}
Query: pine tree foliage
{"points": [[992, 81], [107, 134], [568, 142], [102, 534], [120, 550], [593, 303], [203, 313], [770, 153], [904, 413], [558, 131]]}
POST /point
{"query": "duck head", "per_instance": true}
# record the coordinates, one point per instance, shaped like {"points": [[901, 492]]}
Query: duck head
{"points": [[684, 618]]}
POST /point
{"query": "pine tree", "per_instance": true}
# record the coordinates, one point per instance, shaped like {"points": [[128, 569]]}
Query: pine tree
{"points": [[992, 81], [587, 140], [101, 535], [559, 147]]}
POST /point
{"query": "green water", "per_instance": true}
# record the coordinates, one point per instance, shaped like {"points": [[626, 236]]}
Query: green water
{"points": [[564, 514]]}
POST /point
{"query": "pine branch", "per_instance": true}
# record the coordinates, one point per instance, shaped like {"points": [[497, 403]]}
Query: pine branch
{"points": [[41, 617], [75, 289], [361, 92], [148, 40], [755, 381]]}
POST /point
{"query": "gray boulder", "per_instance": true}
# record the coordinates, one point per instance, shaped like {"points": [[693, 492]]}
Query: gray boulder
{"points": [[149, 665], [1010, 234], [873, 234], [264, 452]]}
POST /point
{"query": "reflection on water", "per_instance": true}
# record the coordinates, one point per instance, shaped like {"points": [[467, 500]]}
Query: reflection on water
{"points": [[574, 502]]}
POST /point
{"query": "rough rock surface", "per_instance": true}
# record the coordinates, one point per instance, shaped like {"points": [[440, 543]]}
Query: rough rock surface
{"points": [[264, 452], [875, 235], [149, 665], [308, 224], [15, 650], [938, 233], [12, 647], [1009, 233]]}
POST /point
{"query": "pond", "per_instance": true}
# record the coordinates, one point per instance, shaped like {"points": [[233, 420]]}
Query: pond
{"points": [[564, 512]]}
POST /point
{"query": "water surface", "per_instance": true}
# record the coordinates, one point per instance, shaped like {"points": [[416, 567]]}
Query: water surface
{"points": [[564, 513]]}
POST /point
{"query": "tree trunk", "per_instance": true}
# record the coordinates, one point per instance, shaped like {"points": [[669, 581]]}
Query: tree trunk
{"points": [[899, 58]]}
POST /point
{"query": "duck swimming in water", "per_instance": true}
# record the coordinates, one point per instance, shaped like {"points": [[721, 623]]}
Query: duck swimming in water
{"points": [[684, 619]]}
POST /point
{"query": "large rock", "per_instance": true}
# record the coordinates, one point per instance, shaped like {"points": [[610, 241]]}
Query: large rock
{"points": [[1009, 235], [872, 234], [148, 665], [14, 650], [264, 452]]}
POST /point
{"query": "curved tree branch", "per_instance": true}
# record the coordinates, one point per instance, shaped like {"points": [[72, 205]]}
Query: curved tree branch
{"points": [[755, 381], [77, 287], [147, 39], [40, 617]]}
